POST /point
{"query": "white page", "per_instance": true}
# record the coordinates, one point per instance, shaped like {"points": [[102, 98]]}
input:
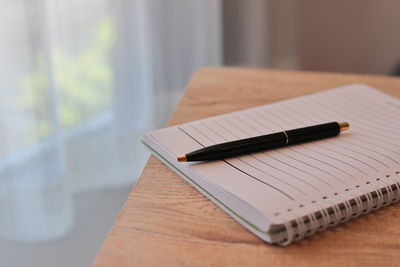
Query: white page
{"points": [[307, 175]]}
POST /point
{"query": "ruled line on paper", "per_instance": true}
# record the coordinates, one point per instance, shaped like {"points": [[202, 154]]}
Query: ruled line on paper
{"points": [[283, 162], [348, 156], [321, 161], [318, 113], [370, 148], [373, 150], [265, 163], [254, 167], [249, 135], [240, 170]]}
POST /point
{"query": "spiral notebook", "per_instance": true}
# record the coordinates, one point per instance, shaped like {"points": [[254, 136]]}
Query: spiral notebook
{"points": [[285, 194]]}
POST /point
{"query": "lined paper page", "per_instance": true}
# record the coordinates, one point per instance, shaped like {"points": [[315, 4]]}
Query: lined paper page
{"points": [[284, 178]]}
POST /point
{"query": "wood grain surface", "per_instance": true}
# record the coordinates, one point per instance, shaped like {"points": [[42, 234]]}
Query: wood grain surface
{"points": [[166, 222]]}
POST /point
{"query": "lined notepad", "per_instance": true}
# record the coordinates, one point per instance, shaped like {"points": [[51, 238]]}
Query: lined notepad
{"points": [[284, 194]]}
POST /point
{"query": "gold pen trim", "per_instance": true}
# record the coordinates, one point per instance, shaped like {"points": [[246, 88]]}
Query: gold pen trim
{"points": [[344, 126], [182, 158], [287, 137]]}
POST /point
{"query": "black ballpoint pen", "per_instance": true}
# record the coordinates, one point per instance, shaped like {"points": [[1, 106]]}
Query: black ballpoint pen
{"points": [[264, 142]]}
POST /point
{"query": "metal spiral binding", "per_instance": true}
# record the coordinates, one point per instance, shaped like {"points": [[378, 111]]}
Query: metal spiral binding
{"points": [[350, 204]]}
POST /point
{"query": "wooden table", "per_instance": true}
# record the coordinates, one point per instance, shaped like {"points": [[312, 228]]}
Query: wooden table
{"points": [[167, 222]]}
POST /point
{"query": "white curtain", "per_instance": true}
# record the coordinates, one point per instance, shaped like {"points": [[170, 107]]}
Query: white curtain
{"points": [[80, 81]]}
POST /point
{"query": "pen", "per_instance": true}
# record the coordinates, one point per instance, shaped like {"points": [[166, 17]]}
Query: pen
{"points": [[264, 142]]}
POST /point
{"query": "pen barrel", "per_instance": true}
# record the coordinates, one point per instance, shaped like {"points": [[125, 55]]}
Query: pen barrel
{"points": [[240, 147], [265, 142], [313, 133]]}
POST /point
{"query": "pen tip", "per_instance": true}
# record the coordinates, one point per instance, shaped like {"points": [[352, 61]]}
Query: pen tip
{"points": [[344, 126], [182, 158]]}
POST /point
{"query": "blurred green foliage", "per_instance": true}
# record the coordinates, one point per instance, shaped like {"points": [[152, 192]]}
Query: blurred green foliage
{"points": [[83, 83]]}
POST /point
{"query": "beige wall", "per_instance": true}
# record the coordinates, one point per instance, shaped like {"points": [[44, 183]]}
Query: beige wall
{"points": [[349, 36], [360, 36]]}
